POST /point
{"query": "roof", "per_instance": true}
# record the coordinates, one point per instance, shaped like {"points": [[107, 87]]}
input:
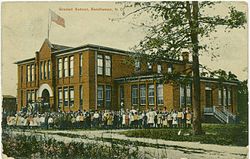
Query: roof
{"points": [[26, 60], [92, 46], [56, 47], [158, 76], [8, 96]]}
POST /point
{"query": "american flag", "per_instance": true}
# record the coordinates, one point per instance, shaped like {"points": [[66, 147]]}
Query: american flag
{"points": [[57, 19]]}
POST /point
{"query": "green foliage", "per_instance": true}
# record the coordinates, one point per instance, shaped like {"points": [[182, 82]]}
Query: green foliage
{"points": [[215, 134], [22, 146], [243, 101], [170, 25]]}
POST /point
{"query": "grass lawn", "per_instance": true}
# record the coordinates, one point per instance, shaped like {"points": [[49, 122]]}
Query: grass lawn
{"points": [[222, 134]]}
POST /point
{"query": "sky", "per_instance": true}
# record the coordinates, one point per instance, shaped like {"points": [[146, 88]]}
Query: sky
{"points": [[25, 27]]}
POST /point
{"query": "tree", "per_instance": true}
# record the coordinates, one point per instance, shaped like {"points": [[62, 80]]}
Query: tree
{"points": [[176, 25]]}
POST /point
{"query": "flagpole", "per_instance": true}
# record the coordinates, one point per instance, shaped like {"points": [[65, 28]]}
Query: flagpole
{"points": [[48, 23]]}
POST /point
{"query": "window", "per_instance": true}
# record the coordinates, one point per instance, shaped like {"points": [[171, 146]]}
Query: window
{"points": [[182, 96], [229, 96], [71, 96], [185, 95], [158, 68], [142, 94], [108, 65], [134, 95], [80, 64], [99, 64], [81, 96], [188, 95], [149, 66], [21, 98], [66, 67], [159, 94], [108, 96], [41, 70], [100, 96], [28, 73], [45, 69], [170, 68], [27, 97], [137, 65], [71, 66], [59, 68], [33, 96], [66, 96], [60, 98], [21, 75], [220, 96], [224, 96], [32, 73], [151, 96], [121, 94], [49, 69]]}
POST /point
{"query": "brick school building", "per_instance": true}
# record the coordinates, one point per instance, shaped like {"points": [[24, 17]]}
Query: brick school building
{"points": [[94, 77]]}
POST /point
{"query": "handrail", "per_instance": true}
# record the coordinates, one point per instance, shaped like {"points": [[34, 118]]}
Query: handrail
{"points": [[221, 115], [229, 113]]}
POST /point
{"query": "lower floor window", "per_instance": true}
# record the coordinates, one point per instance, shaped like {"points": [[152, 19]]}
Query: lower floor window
{"points": [[100, 96], [60, 98], [160, 94], [66, 97], [108, 96], [151, 95], [71, 95]]}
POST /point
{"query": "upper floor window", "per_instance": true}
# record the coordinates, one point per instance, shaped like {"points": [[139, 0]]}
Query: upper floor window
{"points": [[108, 65], [80, 64], [21, 74], [134, 94], [28, 73], [159, 94], [49, 69], [60, 68], [45, 70], [71, 66], [143, 94], [66, 67], [41, 70], [32, 73], [99, 64], [137, 65], [149, 66], [159, 69], [170, 68], [151, 96]]}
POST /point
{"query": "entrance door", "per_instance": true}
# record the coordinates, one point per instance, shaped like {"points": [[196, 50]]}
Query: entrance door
{"points": [[45, 96], [209, 102]]}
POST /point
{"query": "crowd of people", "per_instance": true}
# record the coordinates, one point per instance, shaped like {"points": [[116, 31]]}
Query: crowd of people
{"points": [[102, 119]]}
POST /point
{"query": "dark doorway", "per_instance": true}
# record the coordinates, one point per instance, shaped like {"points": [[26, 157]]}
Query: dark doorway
{"points": [[45, 96], [45, 101], [209, 100]]}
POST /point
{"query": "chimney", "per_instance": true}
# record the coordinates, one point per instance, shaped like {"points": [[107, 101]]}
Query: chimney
{"points": [[185, 56]]}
